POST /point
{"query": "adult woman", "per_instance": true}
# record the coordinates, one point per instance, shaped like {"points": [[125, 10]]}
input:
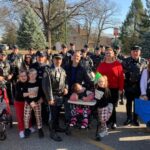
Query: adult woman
{"points": [[114, 72]]}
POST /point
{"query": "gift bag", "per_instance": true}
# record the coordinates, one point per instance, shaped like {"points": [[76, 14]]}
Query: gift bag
{"points": [[142, 109]]}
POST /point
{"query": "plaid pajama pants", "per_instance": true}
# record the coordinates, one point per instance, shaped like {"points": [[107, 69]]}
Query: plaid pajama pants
{"points": [[37, 112], [103, 116]]}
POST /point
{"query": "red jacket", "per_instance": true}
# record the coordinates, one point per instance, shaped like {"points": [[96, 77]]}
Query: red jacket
{"points": [[114, 73]]}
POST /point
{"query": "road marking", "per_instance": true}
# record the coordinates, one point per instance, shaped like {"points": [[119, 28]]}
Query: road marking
{"points": [[134, 138], [98, 144]]}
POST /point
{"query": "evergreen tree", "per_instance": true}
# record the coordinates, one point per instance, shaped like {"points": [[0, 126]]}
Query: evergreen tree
{"points": [[145, 33], [30, 33], [130, 28]]}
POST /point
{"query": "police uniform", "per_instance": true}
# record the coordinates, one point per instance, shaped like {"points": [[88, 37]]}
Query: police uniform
{"points": [[54, 83], [15, 61], [66, 59], [133, 69]]}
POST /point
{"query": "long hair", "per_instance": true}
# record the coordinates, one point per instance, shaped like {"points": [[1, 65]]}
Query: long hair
{"points": [[113, 58]]}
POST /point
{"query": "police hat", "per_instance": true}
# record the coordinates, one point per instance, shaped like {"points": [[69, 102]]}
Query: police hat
{"points": [[58, 56], [71, 44], [136, 47], [83, 50], [15, 47], [63, 46], [41, 53], [86, 46]]}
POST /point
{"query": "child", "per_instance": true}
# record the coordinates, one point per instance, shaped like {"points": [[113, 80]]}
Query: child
{"points": [[32, 96], [80, 92], [104, 108], [19, 102]]}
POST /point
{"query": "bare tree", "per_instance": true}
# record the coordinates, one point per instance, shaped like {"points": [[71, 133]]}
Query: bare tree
{"points": [[106, 13], [50, 16]]}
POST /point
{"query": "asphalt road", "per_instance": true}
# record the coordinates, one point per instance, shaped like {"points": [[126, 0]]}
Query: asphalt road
{"points": [[123, 138]]}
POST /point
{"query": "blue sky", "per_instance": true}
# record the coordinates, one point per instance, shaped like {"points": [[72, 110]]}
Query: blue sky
{"points": [[123, 6]]}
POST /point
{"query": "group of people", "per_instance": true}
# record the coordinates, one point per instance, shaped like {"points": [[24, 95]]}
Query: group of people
{"points": [[40, 83]]}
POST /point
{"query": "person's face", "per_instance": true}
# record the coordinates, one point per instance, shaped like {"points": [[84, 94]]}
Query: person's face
{"points": [[57, 62], [30, 52], [72, 47], [109, 53], [98, 52], [102, 49], [64, 50], [2, 57], [15, 50], [23, 77], [101, 82], [135, 54], [32, 75], [84, 54], [41, 59], [76, 57], [28, 59]]}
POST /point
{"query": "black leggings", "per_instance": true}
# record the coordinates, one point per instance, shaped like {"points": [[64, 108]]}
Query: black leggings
{"points": [[114, 100]]}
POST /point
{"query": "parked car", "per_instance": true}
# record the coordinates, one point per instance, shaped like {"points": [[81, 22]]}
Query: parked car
{"points": [[4, 47]]}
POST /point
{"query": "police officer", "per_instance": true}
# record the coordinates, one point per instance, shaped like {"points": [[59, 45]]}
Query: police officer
{"points": [[97, 58], [120, 57], [15, 60], [66, 56], [87, 63], [133, 67], [72, 48], [55, 87], [118, 54]]}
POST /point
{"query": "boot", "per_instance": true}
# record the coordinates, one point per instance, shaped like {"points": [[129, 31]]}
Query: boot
{"points": [[53, 134]]}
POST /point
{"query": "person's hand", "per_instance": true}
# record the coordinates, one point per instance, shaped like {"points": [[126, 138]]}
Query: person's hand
{"points": [[120, 92], [51, 102], [144, 97], [10, 76], [65, 91], [33, 104]]}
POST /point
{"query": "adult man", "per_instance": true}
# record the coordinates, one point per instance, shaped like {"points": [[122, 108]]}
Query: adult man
{"points": [[133, 67], [97, 58], [72, 48], [87, 63], [75, 74], [55, 87], [120, 57], [15, 61], [66, 56]]}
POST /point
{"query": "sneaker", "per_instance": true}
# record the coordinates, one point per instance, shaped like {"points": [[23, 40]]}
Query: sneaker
{"points": [[136, 123], [114, 126], [41, 133], [32, 129], [27, 133], [21, 134], [103, 133]]}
